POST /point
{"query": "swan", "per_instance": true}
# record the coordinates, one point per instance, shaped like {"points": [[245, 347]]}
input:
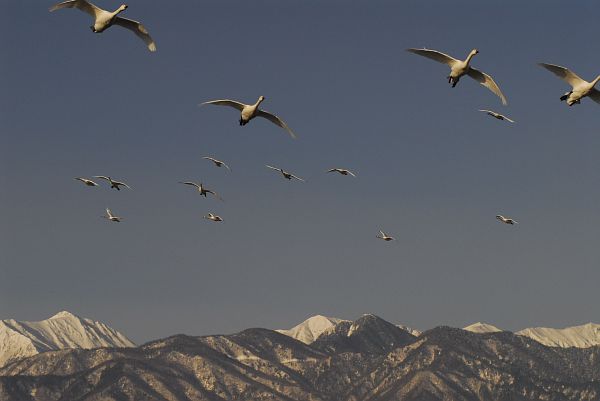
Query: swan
{"points": [[342, 171], [287, 175], [217, 163], [213, 217], [459, 68], [105, 19], [384, 236], [249, 111], [110, 216], [113, 184], [202, 189], [497, 115], [506, 220], [87, 182], [580, 87]]}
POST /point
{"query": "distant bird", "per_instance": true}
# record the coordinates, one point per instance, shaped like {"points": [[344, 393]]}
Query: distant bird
{"points": [[87, 182], [213, 217], [105, 19], [113, 184], [202, 189], [342, 171], [217, 163], [110, 216], [580, 87], [384, 236], [249, 111], [287, 175], [497, 115], [459, 68], [506, 220]]}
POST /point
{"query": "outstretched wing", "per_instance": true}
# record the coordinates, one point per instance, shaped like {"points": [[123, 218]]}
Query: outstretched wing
{"points": [[226, 102], [275, 120], [190, 183], [435, 55], [296, 177], [139, 29], [103, 177], [595, 95], [117, 183], [564, 73], [216, 195], [273, 168], [487, 81], [82, 5]]}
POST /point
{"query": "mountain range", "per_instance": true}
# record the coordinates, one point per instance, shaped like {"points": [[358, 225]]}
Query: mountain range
{"points": [[368, 359]]}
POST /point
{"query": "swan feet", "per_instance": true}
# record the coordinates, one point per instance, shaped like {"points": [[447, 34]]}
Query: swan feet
{"points": [[565, 96], [242, 122], [452, 81]]}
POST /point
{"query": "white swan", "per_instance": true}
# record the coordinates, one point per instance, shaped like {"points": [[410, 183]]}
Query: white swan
{"points": [[105, 19], [113, 184], [202, 189], [506, 220], [217, 163], [580, 87], [213, 217], [110, 216], [249, 111], [287, 175], [459, 68], [87, 182], [342, 171], [497, 115], [384, 236]]}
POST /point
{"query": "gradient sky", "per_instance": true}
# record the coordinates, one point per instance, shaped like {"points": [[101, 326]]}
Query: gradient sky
{"points": [[432, 171]]}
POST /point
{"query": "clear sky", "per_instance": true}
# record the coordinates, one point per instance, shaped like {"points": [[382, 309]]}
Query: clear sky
{"points": [[431, 170]]}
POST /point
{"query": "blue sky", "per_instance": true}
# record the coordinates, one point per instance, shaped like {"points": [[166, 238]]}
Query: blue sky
{"points": [[432, 171]]}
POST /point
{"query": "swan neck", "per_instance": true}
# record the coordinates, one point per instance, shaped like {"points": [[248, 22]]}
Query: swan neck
{"points": [[595, 81], [258, 102], [120, 9], [470, 56]]}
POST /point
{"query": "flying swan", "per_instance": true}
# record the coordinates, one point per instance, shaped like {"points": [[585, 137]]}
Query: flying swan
{"points": [[580, 87], [105, 19], [459, 68], [249, 111], [497, 115]]}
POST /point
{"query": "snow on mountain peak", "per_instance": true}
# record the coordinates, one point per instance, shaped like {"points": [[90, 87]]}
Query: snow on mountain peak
{"points": [[482, 328], [586, 335], [310, 329], [63, 330]]}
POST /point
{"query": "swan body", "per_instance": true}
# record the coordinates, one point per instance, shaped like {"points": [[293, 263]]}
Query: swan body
{"points": [[506, 220], [342, 171], [202, 189], [250, 111], [110, 216], [285, 174], [104, 19], [217, 163], [86, 181], [384, 236], [460, 68], [113, 183], [580, 87], [213, 217], [497, 115]]}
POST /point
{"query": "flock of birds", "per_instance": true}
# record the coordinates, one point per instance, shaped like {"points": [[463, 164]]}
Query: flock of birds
{"points": [[104, 19]]}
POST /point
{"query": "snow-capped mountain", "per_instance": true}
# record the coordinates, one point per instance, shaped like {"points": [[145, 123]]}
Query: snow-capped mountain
{"points": [[63, 330], [310, 329], [482, 328], [587, 335]]}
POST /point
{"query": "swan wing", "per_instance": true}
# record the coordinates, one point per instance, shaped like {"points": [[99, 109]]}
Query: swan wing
{"points": [[82, 5], [275, 120], [139, 29], [487, 81], [102, 177], [226, 102], [595, 95], [564, 73], [190, 183], [298, 178], [273, 168], [435, 55]]}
